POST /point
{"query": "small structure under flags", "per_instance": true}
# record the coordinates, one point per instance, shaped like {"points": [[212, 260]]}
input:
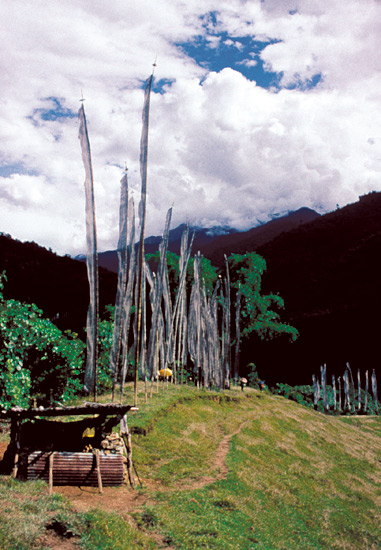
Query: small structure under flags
{"points": [[85, 452]]}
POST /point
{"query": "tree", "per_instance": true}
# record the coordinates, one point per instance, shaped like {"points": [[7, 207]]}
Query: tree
{"points": [[37, 360], [258, 311], [208, 272]]}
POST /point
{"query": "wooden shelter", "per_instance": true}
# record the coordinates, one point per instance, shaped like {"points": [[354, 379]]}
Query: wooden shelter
{"points": [[75, 452]]}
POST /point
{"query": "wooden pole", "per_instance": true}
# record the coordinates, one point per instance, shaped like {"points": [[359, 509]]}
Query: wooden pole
{"points": [[339, 381], [126, 436], [98, 463], [316, 398], [358, 391], [366, 392], [334, 392], [323, 371], [374, 391], [15, 436], [51, 463]]}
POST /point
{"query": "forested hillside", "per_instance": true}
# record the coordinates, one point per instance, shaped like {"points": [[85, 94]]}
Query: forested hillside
{"points": [[328, 272], [57, 285]]}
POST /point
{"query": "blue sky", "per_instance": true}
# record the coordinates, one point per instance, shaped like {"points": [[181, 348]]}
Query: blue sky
{"points": [[258, 108]]}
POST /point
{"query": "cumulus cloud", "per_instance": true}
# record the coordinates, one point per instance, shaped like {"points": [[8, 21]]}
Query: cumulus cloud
{"points": [[224, 149]]}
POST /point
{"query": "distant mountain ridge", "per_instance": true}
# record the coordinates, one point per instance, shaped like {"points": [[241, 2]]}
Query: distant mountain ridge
{"points": [[247, 241], [203, 236], [214, 242]]}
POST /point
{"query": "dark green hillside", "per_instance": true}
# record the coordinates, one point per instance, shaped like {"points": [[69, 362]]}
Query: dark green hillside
{"points": [[328, 272], [58, 285]]}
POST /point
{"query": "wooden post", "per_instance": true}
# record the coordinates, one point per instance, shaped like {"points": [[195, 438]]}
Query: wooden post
{"points": [[15, 438], [334, 392], [366, 392], [126, 436], [316, 392], [347, 404], [340, 406], [374, 391], [98, 463], [358, 391], [51, 463], [323, 371]]}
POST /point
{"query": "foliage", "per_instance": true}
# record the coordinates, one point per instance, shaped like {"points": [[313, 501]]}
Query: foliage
{"points": [[257, 310], [105, 333], [253, 376], [37, 360], [304, 395], [208, 272]]}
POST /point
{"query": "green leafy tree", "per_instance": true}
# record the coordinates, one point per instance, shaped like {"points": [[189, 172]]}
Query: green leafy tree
{"points": [[209, 273], [37, 360], [105, 334], [259, 312]]}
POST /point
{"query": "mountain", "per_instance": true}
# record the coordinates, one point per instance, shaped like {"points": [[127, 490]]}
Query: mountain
{"points": [[328, 271], [56, 284], [214, 242], [203, 236], [247, 241]]}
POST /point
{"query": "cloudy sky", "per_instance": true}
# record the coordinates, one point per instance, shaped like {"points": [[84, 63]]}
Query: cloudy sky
{"points": [[259, 107]]}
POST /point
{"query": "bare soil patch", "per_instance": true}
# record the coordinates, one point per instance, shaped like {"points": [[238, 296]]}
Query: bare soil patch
{"points": [[122, 499]]}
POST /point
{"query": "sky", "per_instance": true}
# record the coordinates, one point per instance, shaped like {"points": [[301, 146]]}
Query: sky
{"points": [[259, 107]]}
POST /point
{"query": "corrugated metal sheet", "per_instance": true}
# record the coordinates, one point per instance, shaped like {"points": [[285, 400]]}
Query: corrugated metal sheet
{"points": [[77, 469]]}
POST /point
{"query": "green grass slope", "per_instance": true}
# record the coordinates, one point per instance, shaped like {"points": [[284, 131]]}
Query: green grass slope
{"points": [[235, 471]]}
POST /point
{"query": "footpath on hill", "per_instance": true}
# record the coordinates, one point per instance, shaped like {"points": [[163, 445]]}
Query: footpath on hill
{"points": [[221, 470]]}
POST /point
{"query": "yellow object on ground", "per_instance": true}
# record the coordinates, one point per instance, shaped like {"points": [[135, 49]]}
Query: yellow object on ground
{"points": [[165, 373]]}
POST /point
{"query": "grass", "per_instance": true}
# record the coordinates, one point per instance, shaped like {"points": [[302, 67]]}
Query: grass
{"points": [[28, 513], [296, 479]]}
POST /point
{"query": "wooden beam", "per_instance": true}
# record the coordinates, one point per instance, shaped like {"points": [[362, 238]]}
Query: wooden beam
{"points": [[87, 408]]}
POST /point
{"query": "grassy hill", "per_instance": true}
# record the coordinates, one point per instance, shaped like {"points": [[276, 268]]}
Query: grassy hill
{"points": [[220, 471]]}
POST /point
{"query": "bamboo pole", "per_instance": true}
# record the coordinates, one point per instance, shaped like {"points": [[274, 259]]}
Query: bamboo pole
{"points": [[142, 211], [51, 465], [323, 372], [316, 387], [334, 392], [99, 476], [374, 391], [366, 392], [15, 437], [126, 436], [347, 403], [358, 391], [340, 396]]}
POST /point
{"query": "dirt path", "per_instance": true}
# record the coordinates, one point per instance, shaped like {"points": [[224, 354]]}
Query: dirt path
{"points": [[219, 462], [125, 500]]}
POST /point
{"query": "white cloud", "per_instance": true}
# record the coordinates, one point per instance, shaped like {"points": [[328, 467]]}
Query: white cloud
{"points": [[224, 152]]}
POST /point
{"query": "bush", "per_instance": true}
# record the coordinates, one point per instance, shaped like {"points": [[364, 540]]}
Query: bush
{"points": [[37, 360]]}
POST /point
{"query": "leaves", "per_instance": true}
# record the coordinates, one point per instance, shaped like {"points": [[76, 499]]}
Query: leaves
{"points": [[257, 310], [37, 359]]}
